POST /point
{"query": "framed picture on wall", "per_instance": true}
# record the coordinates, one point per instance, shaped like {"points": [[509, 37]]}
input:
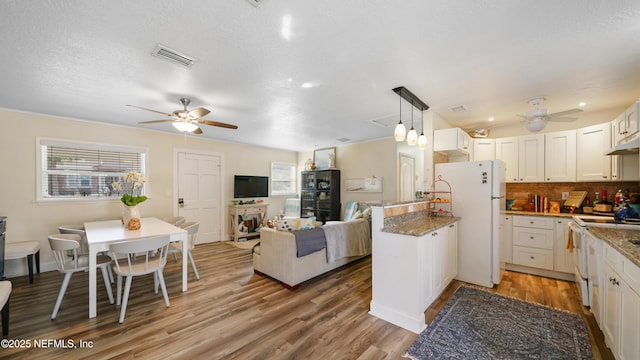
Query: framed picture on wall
{"points": [[325, 158]]}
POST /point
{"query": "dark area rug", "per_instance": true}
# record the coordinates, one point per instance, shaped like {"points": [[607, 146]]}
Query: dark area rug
{"points": [[476, 324]]}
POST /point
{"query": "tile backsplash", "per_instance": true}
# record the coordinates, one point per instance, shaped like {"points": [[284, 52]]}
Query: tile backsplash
{"points": [[553, 191]]}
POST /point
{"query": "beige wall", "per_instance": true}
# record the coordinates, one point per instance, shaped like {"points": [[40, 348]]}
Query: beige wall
{"points": [[30, 220]]}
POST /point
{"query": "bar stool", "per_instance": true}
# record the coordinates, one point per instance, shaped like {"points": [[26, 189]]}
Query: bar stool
{"points": [[24, 249]]}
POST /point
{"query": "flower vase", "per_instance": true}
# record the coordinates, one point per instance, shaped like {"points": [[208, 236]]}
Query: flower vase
{"points": [[131, 217]]}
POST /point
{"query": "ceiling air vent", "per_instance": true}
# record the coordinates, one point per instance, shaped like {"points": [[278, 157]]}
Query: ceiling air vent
{"points": [[166, 53], [459, 108], [255, 2], [344, 139]]}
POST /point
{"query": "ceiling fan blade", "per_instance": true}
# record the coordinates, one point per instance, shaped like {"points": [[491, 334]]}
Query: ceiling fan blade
{"points": [[219, 124], [155, 111], [566, 112], [198, 113], [563, 119], [155, 121], [197, 131]]}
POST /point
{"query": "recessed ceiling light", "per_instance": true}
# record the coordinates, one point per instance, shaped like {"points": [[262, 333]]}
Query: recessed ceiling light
{"points": [[309, 85], [490, 119], [582, 103], [286, 27], [290, 79]]}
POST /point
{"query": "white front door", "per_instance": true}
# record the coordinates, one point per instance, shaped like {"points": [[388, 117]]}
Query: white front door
{"points": [[200, 194], [407, 178]]}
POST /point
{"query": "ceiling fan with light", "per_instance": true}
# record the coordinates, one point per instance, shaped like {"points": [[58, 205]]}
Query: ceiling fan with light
{"points": [[536, 119], [186, 120]]}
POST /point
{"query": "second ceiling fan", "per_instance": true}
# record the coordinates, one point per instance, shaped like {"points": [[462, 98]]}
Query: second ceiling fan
{"points": [[537, 118], [187, 120]]}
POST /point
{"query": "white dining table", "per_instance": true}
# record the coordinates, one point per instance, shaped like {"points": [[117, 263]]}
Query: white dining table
{"points": [[102, 233]]}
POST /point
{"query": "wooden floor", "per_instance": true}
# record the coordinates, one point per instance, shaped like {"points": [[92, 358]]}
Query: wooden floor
{"points": [[231, 313]]}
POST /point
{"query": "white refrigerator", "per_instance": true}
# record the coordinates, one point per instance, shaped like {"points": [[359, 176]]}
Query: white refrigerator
{"points": [[478, 198]]}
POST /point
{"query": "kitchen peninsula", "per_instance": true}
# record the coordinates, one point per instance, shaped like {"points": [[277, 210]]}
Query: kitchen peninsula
{"points": [[414, 258]]}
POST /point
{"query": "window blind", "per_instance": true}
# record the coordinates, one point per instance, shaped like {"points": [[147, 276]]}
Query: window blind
{"points": [[86, 170]]}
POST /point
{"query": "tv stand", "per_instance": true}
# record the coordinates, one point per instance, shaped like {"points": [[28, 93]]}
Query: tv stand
{"points": [[248, 216]]}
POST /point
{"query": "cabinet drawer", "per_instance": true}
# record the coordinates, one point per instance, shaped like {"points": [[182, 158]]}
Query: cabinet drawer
{"points": [[623, 266], [612, 257], [533, 222], [530, 237], [532, 257]]}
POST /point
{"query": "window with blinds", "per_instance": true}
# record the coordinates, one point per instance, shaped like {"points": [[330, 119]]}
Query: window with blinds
{"points": [[72, 170], [283, 179]]}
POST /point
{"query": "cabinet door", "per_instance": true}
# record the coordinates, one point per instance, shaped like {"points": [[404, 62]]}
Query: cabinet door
{"points": [[631, 120], [592, 142], [618, 128], [484, 149], [507, 151], [506, 230], [440, 260], [560, 156], [452, 254], [531, 158], [563, 260], [611, 306], [629, 323]]}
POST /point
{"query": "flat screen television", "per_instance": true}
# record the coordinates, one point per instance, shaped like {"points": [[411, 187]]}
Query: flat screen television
{"points": [[245, 186]]}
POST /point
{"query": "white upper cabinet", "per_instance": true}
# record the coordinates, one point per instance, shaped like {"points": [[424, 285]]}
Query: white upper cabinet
{"points": [[592, 143], [452, 140], [531, 158], [507, 151], [560, 156], [523, 157], [627, 123], [484, 149]]}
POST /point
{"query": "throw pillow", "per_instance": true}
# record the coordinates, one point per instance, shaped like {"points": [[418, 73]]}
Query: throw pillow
{"points": [[295, 224]]}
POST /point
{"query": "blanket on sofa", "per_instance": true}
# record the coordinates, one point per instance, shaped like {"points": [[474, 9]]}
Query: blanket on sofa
{"points": [[344, 241], [309, 241]]}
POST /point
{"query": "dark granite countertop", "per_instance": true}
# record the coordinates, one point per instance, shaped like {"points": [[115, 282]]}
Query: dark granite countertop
{"points": [[619, 240], [417, 223]]}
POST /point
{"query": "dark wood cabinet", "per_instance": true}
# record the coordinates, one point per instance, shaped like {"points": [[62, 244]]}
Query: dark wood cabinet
{"points": [[320, 195]]}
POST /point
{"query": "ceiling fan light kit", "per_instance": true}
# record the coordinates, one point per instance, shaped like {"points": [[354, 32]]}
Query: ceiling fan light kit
{"points": [[535, 124], [184, 126], [187, 120], [537, 118]]}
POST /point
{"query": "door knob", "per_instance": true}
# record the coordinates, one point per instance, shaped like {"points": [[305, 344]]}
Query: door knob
{"points": [[180, 202]]}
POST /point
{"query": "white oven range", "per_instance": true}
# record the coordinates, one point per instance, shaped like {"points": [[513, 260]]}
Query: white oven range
{"points": [[585, 254]]}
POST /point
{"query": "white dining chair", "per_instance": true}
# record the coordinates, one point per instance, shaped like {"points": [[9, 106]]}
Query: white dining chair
{"points": [[84, 246], [176, 246], [62, 245], [139, 257], [174, 220]]}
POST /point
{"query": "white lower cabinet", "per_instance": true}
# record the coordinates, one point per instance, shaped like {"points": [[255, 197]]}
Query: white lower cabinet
{"points": [[410, 272], [562, 258], [533, 241], [621, 305], [539, 242]]}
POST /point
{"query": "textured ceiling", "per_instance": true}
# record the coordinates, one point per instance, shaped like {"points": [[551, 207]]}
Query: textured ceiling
{"points": [[87, 59]]}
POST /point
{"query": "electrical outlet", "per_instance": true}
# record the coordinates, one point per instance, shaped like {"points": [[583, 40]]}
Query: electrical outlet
{"points": [[565, 195]]}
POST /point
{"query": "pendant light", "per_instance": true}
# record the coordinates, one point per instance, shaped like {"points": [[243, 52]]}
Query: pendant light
{"points": [[412, 136], [400, 130], [422, 139]]}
